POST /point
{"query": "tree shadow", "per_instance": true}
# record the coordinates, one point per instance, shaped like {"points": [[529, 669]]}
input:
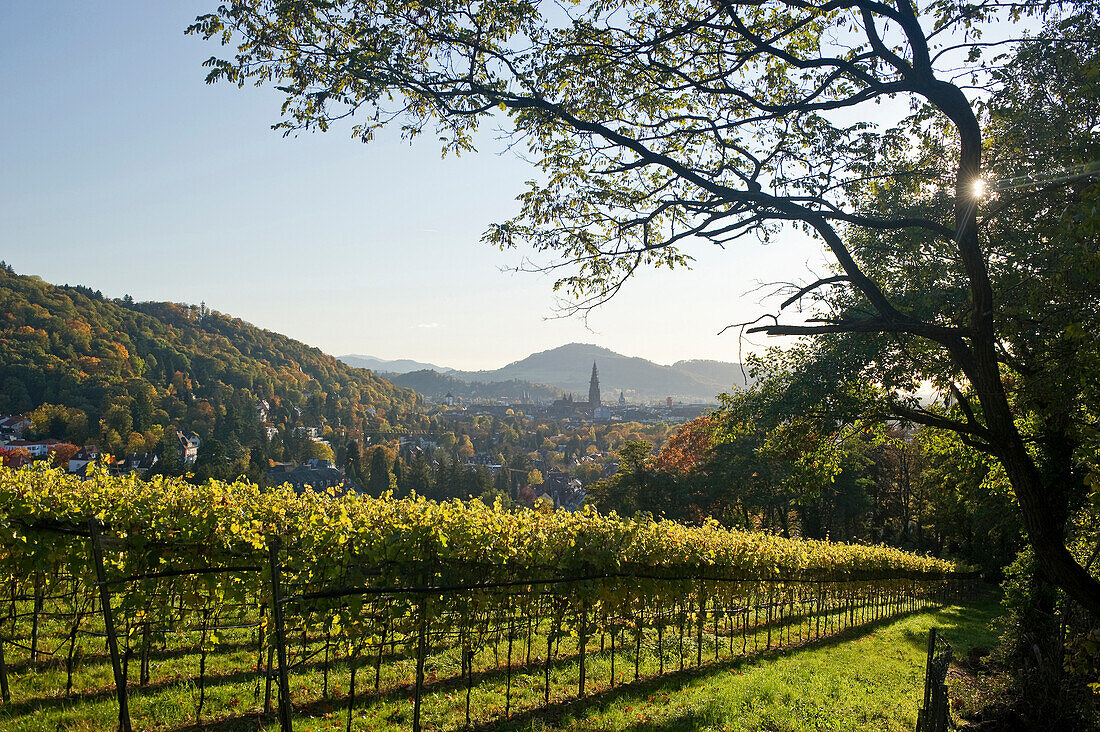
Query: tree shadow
{"points": [[552, 713], [959, 625]]}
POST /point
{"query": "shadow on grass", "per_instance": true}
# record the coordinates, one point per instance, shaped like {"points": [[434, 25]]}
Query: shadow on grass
{"points": [[552, 713], [55, 659], [672, 681], [962, 627]]}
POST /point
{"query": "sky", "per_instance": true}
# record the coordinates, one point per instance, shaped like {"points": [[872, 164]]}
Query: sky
{"points": [[125, 172]]}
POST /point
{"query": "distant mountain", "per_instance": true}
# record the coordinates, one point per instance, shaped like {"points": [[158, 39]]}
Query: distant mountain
{"points": [[400, 366], [436, 386], [717, 373], [569, 367]]}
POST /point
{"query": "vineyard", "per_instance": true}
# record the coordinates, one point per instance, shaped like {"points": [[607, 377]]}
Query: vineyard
{"points": [[381, 601]]}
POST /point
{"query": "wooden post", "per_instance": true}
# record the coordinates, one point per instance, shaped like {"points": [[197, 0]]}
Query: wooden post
{"points": [[731, 621], [660, 647], [267, 679], [683, 614], [768, 620], [202, 666], [745, 630], [508, 689], [421, 651], [546, 666], [259, 651], [716, 642], [613, 656], [699, 627], [36, 612], [582, 640], [145, 653], [328, 642], [928, 669], [378, 658], [109, 626], [280, 635], [468, 661], [351, 689], [5, 695]]}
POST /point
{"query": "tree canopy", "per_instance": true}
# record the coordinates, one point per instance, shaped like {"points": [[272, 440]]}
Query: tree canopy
{"points": [[888, 131]]}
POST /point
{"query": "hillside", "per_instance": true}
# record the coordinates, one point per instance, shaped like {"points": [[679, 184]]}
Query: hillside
{"points": [[436, 386], [398, 366], [118, 372], [568, 367], [717, 373]]}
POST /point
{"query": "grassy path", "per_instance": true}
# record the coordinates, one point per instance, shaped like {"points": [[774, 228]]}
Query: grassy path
{"points": [[865, 681], [867, 678]]}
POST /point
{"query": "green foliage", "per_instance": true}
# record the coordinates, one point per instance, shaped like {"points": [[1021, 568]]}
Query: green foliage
{"points": [[54, 420], [103, 370], [659, 125], [632, 488], [674, 575], [356, 531], [381, 478], [1056, 684], [971, 504]]}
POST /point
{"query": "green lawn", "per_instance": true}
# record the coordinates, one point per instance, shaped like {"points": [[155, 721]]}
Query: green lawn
{"points": [[863, 681], [867, 678]]}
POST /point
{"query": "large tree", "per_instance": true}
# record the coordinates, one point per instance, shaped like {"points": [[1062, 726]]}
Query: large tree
{"points": [[661, 124]]}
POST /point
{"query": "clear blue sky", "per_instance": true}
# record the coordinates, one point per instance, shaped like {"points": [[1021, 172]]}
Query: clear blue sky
{"points": [[123, 171]]}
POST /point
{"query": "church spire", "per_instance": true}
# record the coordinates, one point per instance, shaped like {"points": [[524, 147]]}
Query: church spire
{"points": [[594, 388]]}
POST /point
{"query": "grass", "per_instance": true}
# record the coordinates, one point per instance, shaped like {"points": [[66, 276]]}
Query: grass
{"points": [[867, 678], [868, 681]]}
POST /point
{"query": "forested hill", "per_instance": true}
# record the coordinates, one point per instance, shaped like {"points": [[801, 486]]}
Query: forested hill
{"points": [[124, 371]]}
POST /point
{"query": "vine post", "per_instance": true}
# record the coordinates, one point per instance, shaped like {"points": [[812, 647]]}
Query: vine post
{"points": [[582, 645], [109, 625], [5, 695], [280, 634], [421, 652]]}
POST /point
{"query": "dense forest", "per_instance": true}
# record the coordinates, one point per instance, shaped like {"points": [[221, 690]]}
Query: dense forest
{"points": [[126, 375]]}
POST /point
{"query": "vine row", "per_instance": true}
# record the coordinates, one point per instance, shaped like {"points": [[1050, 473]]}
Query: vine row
{"points": [[350, 583]]}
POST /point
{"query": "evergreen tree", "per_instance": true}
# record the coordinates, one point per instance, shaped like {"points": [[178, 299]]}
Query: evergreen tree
{"points": [[352, 458], [381, 479], [400, 476]]}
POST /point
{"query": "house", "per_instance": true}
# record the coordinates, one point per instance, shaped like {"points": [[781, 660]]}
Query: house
{"points": [[14, 457], [565, 490], [188, 447], [318, 475], [12, 427], [135, 462], [87, 454], [37, 448], [271, 430], [556, 480]]}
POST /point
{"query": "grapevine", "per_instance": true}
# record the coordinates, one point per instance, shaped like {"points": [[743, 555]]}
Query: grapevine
{"points": [[369, 578]]}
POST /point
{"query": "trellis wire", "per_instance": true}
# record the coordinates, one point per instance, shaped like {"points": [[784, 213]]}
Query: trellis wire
{"points": [[531, 603]]}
